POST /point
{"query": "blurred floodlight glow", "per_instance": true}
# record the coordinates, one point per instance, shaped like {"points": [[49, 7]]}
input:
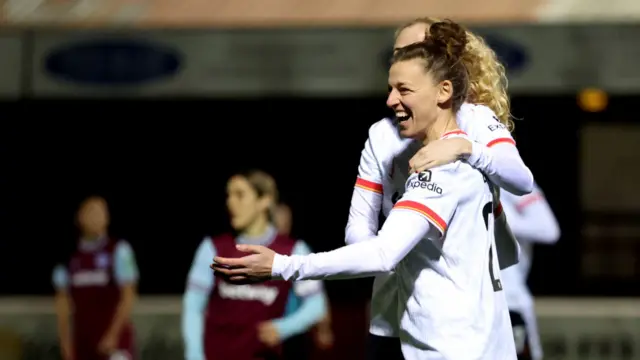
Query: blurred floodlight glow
{"points": [[593, 100]]}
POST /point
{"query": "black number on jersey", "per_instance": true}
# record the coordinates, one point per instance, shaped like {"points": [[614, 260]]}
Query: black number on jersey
{"points": [[486, 210], [395, 197]]}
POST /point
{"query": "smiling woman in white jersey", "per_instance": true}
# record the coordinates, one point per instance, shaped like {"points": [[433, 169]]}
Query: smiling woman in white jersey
{"points": [[532, 221], [383, 168], [439, 237]]}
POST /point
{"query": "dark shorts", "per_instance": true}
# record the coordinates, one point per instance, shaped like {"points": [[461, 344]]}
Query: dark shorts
{"points": [[383, 348], [520, 336]]}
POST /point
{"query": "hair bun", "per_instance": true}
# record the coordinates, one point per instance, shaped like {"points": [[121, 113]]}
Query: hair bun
{"points": [[450, 37]]}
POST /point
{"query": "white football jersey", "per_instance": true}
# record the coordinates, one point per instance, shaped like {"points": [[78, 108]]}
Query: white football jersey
{"points": [[451, 301], [382, 174], [438, 240]]}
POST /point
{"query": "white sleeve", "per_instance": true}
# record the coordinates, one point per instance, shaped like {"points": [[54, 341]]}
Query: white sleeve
{"points": [[366, 200], [423, 211], [495, 154], [503, 166], [531, 218]]}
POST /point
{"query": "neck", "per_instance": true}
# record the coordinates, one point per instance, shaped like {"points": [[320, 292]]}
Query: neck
{"points": [[445, 122], [93, 236], [257, 228]]}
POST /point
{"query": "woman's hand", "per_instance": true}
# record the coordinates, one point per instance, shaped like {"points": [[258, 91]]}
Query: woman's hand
{"points": [[251, 268], [439, 152]]}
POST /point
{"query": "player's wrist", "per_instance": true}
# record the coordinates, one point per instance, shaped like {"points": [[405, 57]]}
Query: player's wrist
{"points": [[474, 153], [280, 263], [465, 148]]}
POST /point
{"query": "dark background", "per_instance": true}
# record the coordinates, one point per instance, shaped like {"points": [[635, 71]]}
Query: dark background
{"points": [[162, 166]]}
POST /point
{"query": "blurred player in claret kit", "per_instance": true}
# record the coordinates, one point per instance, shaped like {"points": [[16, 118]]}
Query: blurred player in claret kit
{"points": [[298, 347], [532, 221], [222, 321], [99, 284]]}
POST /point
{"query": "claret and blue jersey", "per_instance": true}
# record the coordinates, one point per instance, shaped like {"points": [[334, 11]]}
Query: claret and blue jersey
{"points": [[221, 318]]}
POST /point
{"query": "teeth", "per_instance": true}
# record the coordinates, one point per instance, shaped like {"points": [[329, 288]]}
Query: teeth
{"points": [[401, 114]]}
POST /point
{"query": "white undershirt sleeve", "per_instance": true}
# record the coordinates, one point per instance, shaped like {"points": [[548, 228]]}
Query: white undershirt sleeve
{"points": [[366, 201], [531, 218]]}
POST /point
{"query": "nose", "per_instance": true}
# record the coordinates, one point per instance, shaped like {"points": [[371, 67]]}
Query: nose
{"points": [[393, 99]]}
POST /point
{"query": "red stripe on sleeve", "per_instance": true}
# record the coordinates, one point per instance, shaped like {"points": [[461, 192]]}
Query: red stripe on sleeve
{"points": [[501, 141], [369, 185], [528, 200], [423, 210]]}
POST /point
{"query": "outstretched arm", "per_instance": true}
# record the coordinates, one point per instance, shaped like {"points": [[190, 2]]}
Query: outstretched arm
{"points": [[420, 213], [399, 234]]}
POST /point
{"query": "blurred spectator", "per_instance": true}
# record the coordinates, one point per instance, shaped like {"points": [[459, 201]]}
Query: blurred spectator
{"points": [[246, 322], [298, 346], [532, 221], [99, 284]]}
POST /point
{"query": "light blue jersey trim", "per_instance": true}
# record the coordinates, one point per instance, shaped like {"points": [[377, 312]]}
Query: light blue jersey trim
{"points": [[125, 268], [200, 282], [311, 310], [194, 304], [60, 278], [306, 304]]}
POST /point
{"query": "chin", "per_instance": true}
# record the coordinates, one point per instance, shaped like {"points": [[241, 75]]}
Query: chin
{"points": [[237, 224], [408, 133]]}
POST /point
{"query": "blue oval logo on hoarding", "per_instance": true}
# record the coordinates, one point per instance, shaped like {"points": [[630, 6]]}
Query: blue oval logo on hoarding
{"points": [[512, 55], [113, 62]]}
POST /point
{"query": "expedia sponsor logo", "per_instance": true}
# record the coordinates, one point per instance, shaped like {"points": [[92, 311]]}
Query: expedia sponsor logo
{"points": [[425, 176], [497, 127], [265, 294], [90, 278], [425, 185]]}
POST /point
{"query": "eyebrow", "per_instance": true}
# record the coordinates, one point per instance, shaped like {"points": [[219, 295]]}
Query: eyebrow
{"points": [[400, 84]]}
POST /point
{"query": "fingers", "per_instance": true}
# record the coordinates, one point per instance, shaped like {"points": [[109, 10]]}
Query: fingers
{"points": [[422, 166], [229, 262], [425, 166], [418, 162], [236, 279], [229, 271], [253, 249]]}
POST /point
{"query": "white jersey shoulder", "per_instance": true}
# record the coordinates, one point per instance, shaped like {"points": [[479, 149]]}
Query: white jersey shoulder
{"points": [[482, 124], [385, 136]]}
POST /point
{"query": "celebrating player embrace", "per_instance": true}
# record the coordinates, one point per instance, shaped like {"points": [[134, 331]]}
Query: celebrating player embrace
{"points": [[439, 236], [382, 172]]}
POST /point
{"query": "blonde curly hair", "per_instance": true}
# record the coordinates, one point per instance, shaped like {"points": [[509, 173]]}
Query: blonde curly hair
{"points": [[488, 80]]}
